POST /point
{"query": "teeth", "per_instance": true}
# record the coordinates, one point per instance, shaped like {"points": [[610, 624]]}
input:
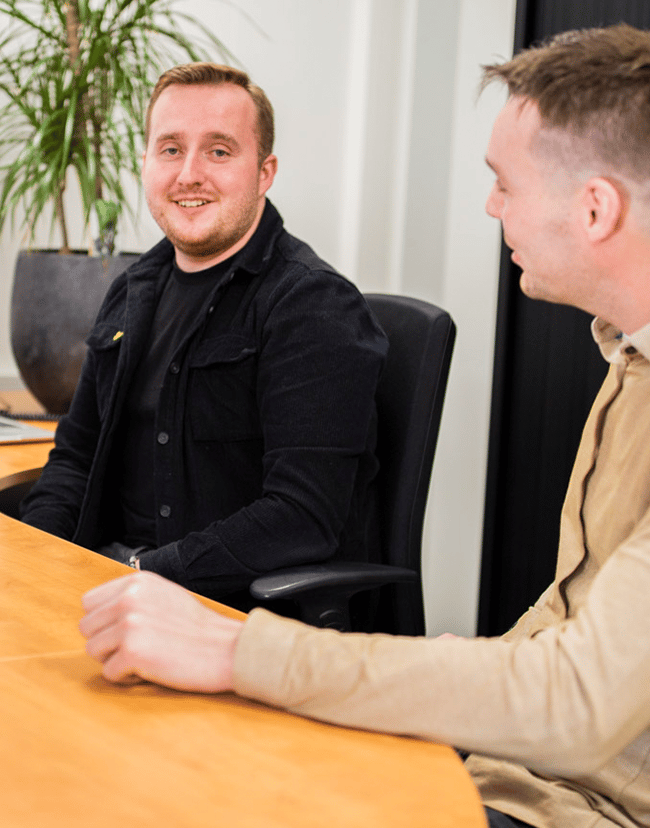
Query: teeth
{"points": [[191, 203]]}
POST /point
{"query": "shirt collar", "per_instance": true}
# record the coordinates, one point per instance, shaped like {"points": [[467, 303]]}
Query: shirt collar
{"points": [[252, 257], [617, 347]]}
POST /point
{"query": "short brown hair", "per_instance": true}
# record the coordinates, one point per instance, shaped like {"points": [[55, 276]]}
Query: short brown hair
{"points": [[593, 84], [214, 74]]}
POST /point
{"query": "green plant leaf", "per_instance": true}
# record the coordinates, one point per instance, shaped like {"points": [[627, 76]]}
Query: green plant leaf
{"points": [[88, 117]]}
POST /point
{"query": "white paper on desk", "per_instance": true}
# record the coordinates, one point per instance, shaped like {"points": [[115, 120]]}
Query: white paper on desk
{"points": [[14, 431]]}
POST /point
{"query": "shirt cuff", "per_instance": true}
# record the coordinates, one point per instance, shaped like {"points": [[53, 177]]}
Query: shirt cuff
{"points": [[166, 562], [262, 656]]}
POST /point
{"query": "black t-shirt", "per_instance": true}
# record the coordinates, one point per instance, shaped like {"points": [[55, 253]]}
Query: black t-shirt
{"points": [[179, 305]]}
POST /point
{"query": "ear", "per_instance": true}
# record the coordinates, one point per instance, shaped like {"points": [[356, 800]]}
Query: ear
{"points": [[603, 209], [267, 174]]}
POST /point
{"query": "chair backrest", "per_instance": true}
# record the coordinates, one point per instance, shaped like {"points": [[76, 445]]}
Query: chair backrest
{"points": [[409, 401]]}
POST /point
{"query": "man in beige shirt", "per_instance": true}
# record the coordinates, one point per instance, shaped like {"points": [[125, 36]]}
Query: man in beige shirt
{"points": [[556, 714]]}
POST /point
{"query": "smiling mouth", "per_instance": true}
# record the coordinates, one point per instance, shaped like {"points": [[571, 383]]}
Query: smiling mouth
{"points": [[196, 202]]}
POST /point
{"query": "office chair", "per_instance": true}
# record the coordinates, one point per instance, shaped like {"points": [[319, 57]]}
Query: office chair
{"points": [[410, 396]]}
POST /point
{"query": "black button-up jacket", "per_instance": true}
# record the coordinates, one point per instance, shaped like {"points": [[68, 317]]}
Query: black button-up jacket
{"points": [[265, 426]]}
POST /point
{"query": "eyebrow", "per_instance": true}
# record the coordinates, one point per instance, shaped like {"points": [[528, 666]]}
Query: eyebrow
{"points": [[225, 137]]}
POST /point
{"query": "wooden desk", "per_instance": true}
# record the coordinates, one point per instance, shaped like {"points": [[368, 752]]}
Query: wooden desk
{"points": [[77, 751]]}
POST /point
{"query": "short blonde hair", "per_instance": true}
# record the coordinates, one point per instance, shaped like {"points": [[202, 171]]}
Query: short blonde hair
{"points": [[594, 85], [214, 74]]}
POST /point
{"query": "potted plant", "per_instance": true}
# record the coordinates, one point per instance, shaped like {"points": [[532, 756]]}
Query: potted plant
{"points": [[75, 78]]}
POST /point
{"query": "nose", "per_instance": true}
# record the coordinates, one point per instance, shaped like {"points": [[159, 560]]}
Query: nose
{"points": [[494, 203], [192, 170]]}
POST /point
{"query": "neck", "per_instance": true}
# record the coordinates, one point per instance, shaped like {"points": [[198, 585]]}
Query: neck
{"points": [[621, 291]]}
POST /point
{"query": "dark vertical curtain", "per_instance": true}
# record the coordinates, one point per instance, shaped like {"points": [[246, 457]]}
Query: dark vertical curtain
{"points": [[547, 371]]}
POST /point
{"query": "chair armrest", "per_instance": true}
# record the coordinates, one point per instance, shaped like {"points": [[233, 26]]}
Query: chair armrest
{"points": [[339, 577], [323, 591]]}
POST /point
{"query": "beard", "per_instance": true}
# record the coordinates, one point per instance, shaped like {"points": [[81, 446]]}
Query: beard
{"points": [[212, 234]]}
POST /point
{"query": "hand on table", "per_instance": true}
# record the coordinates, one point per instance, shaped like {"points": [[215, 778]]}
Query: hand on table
{"points": [[142, 625]]}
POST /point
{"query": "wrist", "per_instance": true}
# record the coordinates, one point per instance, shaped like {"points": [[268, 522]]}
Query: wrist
{"points": [[223, 643]]}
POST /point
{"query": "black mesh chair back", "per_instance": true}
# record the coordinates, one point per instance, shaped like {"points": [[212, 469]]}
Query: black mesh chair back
{"points": [[410, 397]]}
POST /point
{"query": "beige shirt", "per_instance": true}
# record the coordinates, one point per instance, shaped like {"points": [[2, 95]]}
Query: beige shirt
{"points": [[563, 700]]}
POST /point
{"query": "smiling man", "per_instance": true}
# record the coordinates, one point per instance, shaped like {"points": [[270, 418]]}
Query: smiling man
{"points": [[224, 423], [556, 714], [204, 172]]}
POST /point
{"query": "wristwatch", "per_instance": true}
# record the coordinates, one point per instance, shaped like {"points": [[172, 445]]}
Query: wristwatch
{"points": [[134, 562]]}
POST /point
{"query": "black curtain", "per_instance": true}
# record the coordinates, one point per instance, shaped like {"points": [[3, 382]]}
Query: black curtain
{"points": [[547, 371]]}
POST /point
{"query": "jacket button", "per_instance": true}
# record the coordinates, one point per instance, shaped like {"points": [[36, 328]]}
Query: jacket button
{"points": [[174, 368], [163, 438], [165, 511]]}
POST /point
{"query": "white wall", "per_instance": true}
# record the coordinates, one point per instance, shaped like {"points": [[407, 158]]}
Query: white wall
{"points": [[454, 526], [381, 147]]}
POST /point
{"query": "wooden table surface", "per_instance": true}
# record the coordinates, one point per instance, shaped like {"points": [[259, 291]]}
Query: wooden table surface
{"points": [[77, 751]]}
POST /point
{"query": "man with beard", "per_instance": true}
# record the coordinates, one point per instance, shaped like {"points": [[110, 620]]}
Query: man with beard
{"points": [[224, 423]]}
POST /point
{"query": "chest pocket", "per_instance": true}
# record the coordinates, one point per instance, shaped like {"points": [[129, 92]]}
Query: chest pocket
{"points": [[222, 390], [105, 342]]}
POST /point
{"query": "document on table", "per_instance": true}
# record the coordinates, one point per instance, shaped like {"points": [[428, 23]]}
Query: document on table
{"points": [[15, 431]]}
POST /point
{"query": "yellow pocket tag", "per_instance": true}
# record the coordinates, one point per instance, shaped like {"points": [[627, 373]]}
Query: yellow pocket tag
{"points": [[118, 335]]}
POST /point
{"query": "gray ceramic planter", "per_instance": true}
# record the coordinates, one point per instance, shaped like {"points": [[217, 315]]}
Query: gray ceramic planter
{"points": [[54, 303]]}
